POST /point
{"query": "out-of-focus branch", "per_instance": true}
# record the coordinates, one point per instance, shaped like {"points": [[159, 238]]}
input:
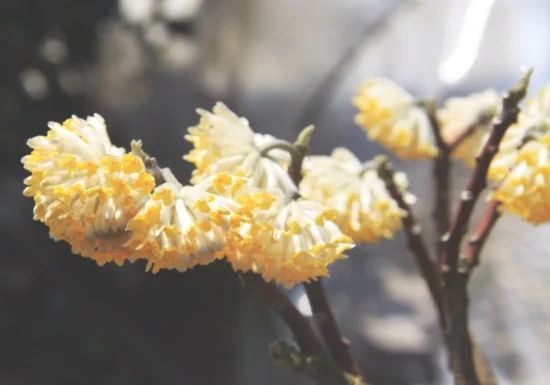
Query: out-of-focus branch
{"points": [[337, 344], [457, 272], [462, 137], [428, 267], [481, 233], [478, 181], [319, 369], [481, 120], [298, 324], [442, 176]]}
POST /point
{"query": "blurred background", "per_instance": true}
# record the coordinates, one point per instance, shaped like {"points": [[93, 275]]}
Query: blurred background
{"points": [[145, 65]]}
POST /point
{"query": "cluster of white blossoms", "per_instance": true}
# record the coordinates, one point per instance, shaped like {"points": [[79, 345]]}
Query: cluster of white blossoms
{"points": [[521, 168], [242, 205], [392, 117], [365, 211], [85, 189], [104, 202], [520, 171], [296, 241], [472, 113], [224, 142]]}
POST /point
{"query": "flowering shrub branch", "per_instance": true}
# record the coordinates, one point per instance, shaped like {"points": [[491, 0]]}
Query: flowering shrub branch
{"points": [[279, 215], [319, 369], [456, 270], [337, 344], [441, 174], [298, 324], [478, 181], [426, 263], [479, 236]]}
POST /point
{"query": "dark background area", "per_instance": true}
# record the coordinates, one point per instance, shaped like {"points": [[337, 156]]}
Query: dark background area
{"points": [[63, 320]]}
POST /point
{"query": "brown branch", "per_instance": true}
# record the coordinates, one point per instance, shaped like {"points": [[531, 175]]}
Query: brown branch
{"points": [[481, 233], [442, 209], [430, 107], [416, 243], [442, 176], [298, 324], [510, 110], [319, 369], [324, 317], [462, 137], [482, 120], [337, 344], [456, 276]]}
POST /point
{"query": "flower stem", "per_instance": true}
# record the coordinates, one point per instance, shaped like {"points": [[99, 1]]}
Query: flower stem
{"points": [[298, 324], [337, 344], [442, 177], [428, 267], [481, 233], [296, 158]]}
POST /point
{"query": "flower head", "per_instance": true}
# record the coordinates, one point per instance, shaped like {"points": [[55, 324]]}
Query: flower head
{"points": [[180, 227], [296, 244], [390, 116], [85, 189], [366, 211], [223, 142], [461, 114], [521, 168]]}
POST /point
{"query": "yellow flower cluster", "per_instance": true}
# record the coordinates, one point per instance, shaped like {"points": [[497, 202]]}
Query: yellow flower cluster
{"points": [[365, 210], [104, 203], [295, 244], [475, 112], [85, 189], [521, 168], [180, 227], [224, 142], [390, 116]]}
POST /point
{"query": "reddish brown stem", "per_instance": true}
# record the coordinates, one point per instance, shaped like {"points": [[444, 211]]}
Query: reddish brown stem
{"points": [[462, 137], [442, 177], [481, 233], [298, 324], [337, 344], [420, 251], [442, 210], [457, 275], [478, 181]]}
